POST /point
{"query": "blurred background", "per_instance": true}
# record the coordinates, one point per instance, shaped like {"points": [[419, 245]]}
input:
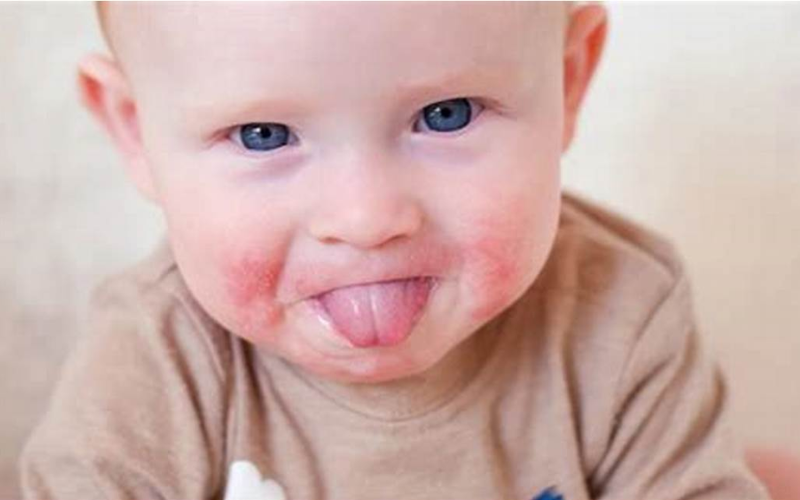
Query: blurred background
{"points": [[692, 127]]}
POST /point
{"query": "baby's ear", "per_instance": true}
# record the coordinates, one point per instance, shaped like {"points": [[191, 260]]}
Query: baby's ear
{"points": [[583, 47], [105, 92]]}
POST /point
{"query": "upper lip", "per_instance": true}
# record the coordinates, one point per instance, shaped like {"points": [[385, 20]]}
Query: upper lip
{"points": [[316, 280]]}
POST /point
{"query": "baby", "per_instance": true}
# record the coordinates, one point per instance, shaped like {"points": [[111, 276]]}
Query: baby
{"points": [[372, 285]]}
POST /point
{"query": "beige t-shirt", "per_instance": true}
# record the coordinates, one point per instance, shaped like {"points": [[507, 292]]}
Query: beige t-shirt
{"points": [[594, 382]]}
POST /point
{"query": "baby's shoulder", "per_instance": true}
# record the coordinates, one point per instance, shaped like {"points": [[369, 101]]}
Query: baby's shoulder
{"points": [[607, 261], [612, 297]]}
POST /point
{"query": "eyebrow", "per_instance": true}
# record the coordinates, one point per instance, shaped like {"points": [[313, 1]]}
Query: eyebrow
{"points": [[496, 73]]}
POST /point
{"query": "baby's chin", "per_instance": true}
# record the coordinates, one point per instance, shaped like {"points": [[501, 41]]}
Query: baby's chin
{"points": [[369, 366]]}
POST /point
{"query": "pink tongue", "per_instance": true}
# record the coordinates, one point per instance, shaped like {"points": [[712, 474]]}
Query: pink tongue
{"points": [[379, 313]]}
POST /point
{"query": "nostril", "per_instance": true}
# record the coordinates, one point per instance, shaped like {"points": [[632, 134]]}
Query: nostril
{"points": [[367, 226]]}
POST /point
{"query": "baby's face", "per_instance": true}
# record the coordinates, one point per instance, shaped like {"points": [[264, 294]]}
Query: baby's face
{"points": [[309, 156]]}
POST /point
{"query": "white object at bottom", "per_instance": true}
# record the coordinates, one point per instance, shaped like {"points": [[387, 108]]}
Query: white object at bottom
{"points": [[246, 483]]}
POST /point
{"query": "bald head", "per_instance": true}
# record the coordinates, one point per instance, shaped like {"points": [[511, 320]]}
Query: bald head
{"points": [[206, 52], [107, 14]]}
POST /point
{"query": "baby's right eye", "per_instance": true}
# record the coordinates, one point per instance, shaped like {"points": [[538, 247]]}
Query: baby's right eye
{"points": [[260, 136]]}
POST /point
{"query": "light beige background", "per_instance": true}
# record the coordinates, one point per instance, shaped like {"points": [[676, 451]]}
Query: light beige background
{"points": [[692, 127]]}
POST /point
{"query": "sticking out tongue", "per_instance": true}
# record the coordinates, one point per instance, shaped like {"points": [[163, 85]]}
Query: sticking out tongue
{"points": [[381, 313]]}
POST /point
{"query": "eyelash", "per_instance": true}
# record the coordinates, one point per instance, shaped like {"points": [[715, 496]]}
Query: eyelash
{"points": [[234, 134]]}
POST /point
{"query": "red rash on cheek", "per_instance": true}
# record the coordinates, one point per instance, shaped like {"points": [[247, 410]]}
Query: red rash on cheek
{"points": [[495, 273], [250, 284], [500, 243]]}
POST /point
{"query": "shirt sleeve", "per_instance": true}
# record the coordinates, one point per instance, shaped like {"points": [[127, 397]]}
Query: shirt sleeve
{"points": [[138, 411], [673, 435]]}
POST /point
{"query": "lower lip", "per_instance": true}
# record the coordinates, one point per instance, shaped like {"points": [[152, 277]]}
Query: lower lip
{"points": [[324, 317]]}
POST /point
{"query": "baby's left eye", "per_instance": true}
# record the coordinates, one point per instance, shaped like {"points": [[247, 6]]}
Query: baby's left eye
{"points": [[261, 136], [449, 115]]}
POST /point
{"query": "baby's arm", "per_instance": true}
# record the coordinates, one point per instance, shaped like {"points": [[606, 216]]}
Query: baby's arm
{"points": [[128, 419], [673, 438]]}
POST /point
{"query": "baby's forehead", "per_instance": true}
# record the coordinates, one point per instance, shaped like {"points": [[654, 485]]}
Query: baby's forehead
{"points": [[326, 32]]}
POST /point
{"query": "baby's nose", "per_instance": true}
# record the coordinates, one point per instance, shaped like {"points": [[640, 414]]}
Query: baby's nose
{"points": [[366, 205]]}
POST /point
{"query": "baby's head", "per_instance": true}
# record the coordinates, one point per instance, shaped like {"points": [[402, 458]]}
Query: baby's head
{"points": [[356, 187]]}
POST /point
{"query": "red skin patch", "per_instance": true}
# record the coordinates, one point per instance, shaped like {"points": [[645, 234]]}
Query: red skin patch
{"points": [[251, 284], [496, 270], [495, 263]]}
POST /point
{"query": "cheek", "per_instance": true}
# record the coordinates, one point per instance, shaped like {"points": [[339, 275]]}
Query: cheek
{"points": [[248, 279], [229, 245], [250, 284], [505, 254], [494, 268]]}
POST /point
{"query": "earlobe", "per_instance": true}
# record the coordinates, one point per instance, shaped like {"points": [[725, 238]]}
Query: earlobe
{"points": [[105, 93], [582, 50]]}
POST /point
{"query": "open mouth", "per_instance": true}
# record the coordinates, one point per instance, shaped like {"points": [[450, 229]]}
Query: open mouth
{"points": [[375, 314]]}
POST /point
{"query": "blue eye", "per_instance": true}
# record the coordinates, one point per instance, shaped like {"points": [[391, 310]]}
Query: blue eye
{"points": [[262, 136], [447, 116]]}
